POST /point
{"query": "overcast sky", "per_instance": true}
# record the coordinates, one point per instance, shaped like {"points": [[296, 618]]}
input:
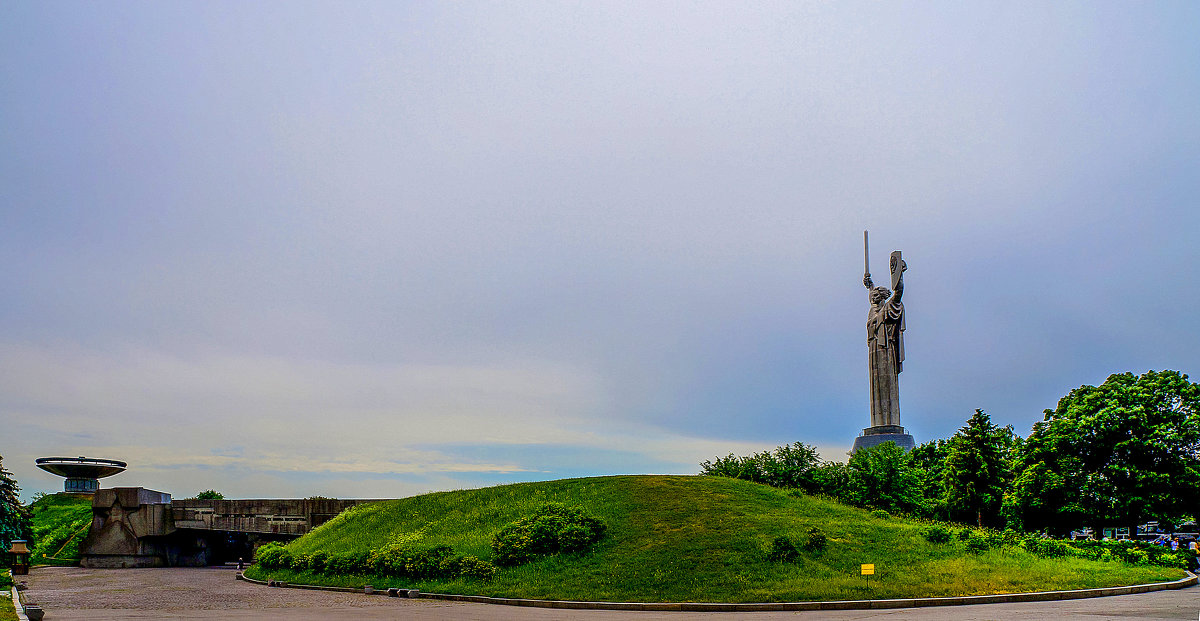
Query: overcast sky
{"points": [[283, 249]]}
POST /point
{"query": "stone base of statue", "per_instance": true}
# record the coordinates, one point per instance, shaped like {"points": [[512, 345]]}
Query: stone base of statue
{"points": [[874, 436]]}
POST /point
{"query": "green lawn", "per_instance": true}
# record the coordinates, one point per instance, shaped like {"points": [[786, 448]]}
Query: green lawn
{"points": [[7, 612], [60, 522], [680, 538]]}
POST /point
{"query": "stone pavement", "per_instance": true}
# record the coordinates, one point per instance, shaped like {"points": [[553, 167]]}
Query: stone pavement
{"points": [[76, 594]]}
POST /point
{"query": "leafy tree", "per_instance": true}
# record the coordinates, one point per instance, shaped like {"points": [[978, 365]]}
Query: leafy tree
{"points": [[931, 458], [884, 477], [210, 494], [832, 478], [792, 466], [1119, 453], [976, 469], [15, 522]]}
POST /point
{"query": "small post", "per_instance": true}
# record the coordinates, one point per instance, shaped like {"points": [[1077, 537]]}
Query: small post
{"points": [[867, 570]]}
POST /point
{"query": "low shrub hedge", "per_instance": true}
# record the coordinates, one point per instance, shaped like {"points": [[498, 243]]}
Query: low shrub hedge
{"points": [[438, 562]]}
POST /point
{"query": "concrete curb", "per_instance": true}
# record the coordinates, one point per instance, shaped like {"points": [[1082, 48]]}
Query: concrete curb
{"points": [[20, 608], [862, 604]]}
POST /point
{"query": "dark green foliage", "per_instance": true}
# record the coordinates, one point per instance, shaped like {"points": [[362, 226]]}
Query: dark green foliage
{"points": [[884, 477], [300, 562], [210, 494], [1047, 548], [930, 457], [273, 555], [783, 550], [831, 478], [816, 541], [965, 534], [438, 562], [15, 521], [554, 528], [1136, 553], [793, 466], [937, 534], [978, 545], [341, 564], [993, 539], [881, 514], [6, 580], [1119, 453], [977, 470]]}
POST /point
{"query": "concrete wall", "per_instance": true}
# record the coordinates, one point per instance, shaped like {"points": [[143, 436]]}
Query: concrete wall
{"points": [[284, 517], [130, 526], [137, 527]]}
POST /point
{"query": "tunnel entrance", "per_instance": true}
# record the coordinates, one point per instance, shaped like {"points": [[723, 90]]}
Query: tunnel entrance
{"points": [[200, 548]]}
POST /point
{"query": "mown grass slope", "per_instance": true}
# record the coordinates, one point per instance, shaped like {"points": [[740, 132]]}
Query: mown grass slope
{"points": [[680, 538], [60, 522]]}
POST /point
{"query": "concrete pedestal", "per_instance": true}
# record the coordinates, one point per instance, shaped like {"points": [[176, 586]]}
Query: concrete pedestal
{"points": [[874, 436]]}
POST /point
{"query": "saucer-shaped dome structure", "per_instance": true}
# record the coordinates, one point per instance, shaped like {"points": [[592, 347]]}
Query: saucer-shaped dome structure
{"points": [[82, 473]]}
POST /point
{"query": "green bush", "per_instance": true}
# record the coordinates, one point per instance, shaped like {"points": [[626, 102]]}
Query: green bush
{"points": [[270, 556], [6, 580], [789, 466], [301, 562], [816, 540], [1132, 552], [341, 564], [977, 545], [318, 561], [1046, 548], [937, 534], [965, 534], [783, 550], [438, 562], [471, 567], [554, 528], [881, 514]]}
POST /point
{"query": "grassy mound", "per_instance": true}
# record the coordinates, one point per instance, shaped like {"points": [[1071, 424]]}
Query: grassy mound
{"points": [[678, 538], [60, 522]]}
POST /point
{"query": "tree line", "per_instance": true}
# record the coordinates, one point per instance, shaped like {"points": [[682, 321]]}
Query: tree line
{"points": [[1121, 453]]}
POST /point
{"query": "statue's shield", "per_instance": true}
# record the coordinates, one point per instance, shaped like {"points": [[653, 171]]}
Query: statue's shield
{"points": [[897, 269]]}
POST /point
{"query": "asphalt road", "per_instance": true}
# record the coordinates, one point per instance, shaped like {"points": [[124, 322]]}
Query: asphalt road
{"points": [[76, 594]]}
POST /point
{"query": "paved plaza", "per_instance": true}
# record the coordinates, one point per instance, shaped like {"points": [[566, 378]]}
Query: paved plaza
{"points": [[76, 594]]}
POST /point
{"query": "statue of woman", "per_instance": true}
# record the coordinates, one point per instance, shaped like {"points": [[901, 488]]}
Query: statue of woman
{"points": [[885, 345]]}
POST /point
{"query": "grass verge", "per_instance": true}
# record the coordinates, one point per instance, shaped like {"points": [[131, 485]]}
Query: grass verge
{"points": [[679, 538], [7, 611]]}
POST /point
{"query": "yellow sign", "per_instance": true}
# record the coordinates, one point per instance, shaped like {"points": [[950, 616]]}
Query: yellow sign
{"points": [[868, 569]]}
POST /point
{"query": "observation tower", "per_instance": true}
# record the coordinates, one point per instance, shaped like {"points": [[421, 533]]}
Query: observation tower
{"points": [[82, 473]]}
